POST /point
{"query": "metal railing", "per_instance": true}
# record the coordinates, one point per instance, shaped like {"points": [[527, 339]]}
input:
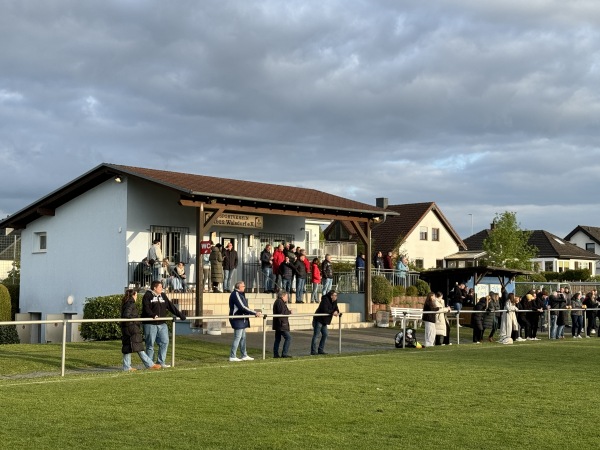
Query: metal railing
{"points": [[354, 282], [456, 315], [67, 322]]}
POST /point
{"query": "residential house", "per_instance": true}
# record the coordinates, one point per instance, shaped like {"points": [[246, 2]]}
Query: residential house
{"points": [[554, 254], [588, 238], [418, 230]]}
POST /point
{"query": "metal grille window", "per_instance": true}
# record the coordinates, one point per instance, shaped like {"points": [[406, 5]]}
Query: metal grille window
{"points": [[173, 240], [274, 239]]}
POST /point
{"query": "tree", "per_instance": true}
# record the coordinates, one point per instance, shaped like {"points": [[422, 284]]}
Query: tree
{"points": [[507, 245]]}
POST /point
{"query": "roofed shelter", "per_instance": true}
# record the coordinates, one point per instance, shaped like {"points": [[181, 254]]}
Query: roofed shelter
{"points": [[103, 198], [444, 280]]}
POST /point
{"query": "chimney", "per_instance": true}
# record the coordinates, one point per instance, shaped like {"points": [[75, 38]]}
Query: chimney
{"points": [[381, 202]]}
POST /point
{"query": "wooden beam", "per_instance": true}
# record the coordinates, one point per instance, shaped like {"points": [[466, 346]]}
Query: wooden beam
{"points": [[274, 211], [213, 218], [361, 235]]}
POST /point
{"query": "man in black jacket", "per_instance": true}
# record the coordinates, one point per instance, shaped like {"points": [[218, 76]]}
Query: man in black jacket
{"points": [[281, 325], [155, 305], [328, 306]]}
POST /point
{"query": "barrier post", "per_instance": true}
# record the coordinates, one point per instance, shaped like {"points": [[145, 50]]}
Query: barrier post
{"points": [[340, 334], [404, 313], [264, 333], [458, 328], [64, 348], [548, 320], [173, 346]]}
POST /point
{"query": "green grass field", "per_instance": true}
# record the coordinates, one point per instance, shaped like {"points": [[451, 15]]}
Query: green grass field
{"points": [[533, 395]]}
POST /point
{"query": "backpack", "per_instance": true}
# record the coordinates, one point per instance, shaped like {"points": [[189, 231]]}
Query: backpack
{"points": [[411, 341]]}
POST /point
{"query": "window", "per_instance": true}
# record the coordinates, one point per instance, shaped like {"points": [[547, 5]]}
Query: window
{"points": [[435, 234], [563, 265], [173, 242], [439, 263], [577, 265], [419, 263], [41, 242], [590, 247], [423, 234], [548, 266]]}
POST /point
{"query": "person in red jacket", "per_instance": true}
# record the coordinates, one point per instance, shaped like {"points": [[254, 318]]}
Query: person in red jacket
{"points": [[278, 258], [316, 280]]}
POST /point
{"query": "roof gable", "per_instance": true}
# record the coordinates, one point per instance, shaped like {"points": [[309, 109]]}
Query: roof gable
{"points": [[394, 230], [592, 232]]}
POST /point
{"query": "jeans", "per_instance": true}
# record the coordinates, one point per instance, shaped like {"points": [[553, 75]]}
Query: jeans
{"points": [[159, 334], [300, 282], [156, 272], [318, 328], [286, 285], [327, 282], [268, 279], [553, 334], [205, 278], [239, 340], [458, 306], [127, 360], [286, 343], [315, 293], [560, 332], [576, 324], [228, 276]]}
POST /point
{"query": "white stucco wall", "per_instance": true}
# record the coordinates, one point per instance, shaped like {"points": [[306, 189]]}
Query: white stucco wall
{"points": [[429, 250], [581, 239], [92, 238], [85, 252]]}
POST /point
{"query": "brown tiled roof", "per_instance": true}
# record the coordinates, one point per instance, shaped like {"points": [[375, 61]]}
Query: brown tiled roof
{"points": [[387, 236], [391, 233], [548, 245], [592, 232], [202, 188]]}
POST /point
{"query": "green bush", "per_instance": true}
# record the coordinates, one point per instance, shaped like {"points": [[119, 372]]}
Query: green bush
{"points": [[412, 291], [5, 308], [398, 291], [381, 290], [422, 287], [568, 275], [8, 333], [341, 266], [108, 307], [14, 290]]}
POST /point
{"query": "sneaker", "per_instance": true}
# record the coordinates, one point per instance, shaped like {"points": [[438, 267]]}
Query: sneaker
{"points": [[155, 367], [450, 343], [234, 359], [536, 339], [587, 337], [165, 366], [593, 332], [131, 369], [529, 339], [520, 339], [247, 358], [579, 336], [322, 353], [478, 342]]}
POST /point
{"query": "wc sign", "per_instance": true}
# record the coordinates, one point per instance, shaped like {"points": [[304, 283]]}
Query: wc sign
{"points": [[205, 247]]}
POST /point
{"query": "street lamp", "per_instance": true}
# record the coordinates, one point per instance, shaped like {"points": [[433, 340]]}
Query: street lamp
{"points": [[471, 224]]}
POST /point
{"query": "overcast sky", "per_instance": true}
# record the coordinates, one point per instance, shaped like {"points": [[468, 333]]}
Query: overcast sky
{"points": [[480, 106]]}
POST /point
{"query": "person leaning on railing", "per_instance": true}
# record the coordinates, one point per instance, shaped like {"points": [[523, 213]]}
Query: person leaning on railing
{"points": [[328, 305]]}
